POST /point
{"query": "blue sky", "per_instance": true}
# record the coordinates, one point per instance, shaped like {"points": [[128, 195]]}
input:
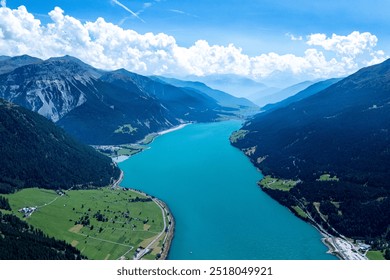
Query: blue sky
{"points": [[255, 27]]}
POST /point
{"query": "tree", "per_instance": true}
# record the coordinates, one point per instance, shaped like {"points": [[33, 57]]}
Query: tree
{"points": [[4, 204], [387, 254]]}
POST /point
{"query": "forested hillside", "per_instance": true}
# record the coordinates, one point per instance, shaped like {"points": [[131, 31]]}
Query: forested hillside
{"points": [[335, 146], [36, 153]]}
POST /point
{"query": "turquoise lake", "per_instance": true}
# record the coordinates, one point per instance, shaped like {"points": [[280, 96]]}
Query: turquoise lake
{"points": [[220, 212]]}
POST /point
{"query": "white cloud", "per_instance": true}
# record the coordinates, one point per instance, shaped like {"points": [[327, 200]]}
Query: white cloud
{"points": [[108, 46], [351, 45], [3, 3], [354, 50], [293, 37]]}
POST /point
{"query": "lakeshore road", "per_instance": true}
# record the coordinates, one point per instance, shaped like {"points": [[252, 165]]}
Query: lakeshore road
{"points": [[147, 248]]}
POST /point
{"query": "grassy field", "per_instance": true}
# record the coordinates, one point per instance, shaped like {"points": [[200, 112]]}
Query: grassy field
{"points": [[126, 129], [130, 150], [326, 177], [102, 223], [299, 211], [375, 255], [148, 139], [120, 150], [277, 184], [238, 135]]}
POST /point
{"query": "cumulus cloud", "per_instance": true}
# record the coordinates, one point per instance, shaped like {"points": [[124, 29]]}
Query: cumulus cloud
{"points": [[108, 46], [351, 45], [349, 48]]}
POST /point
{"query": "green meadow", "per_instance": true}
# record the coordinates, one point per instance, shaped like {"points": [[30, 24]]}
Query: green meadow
{"points": [[375, 255], [277, 184], [103, 223]]}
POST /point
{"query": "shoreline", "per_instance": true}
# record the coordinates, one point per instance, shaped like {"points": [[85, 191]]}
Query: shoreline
{"points": [[171, 231], [180, 126], [340, 247], [122, 158], [169, 235]]}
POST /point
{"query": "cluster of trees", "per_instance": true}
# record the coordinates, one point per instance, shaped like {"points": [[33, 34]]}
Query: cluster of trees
{"points": [[137, 199], [84, 220], [19, 241], [387, 254], [4, 204], [100, 217]]}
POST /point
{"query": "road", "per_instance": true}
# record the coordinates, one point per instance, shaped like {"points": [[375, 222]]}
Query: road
{"points": [[117, 182], [148, 248]]}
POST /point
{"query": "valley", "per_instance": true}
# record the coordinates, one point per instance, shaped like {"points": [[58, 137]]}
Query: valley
{"points": [[104, 223], [322, 148], [220, 213]]}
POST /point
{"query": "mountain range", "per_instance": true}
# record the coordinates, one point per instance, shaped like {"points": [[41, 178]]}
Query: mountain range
{"points": [[335, 145], [223, 98], [271, 96], [233, 84], [106, 107], [308, 91]]}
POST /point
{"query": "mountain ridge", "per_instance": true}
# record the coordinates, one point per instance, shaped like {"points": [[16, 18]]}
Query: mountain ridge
{"points": [[223, 98], [307, 92], [95, 105], [335, 146], [9, 63]]}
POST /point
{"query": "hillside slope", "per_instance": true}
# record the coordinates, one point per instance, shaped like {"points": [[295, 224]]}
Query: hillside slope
{"points": [[336, 146], [36, 153], [307, 92]]}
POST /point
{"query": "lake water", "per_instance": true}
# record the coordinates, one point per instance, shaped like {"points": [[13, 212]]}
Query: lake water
{"points": [[220, 212]]}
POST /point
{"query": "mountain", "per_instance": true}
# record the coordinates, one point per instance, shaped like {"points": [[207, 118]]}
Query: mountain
{"points": [[280, 95], [235, 85], [309, 91], [101, 107], [36, 153], [52, 88], [184, 104], [335, 147], [262, 93], [8, 64], [223, 98], [112, 114]]}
